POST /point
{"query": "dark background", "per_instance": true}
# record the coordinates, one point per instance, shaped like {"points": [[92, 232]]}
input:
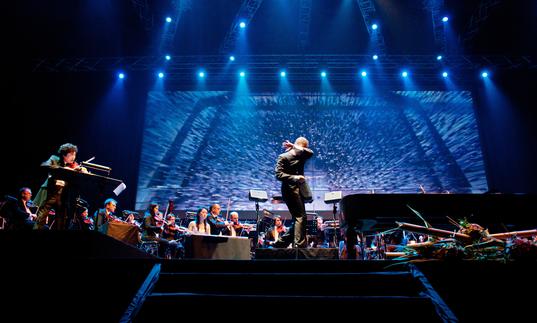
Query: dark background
{"points": [[45, 110]]}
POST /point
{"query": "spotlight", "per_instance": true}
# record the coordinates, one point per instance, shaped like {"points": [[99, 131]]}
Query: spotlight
{"points": [[121, 75], [242, 74], [485, 74], [242, 24], [374, 26], [445, 74], [445, 19], [375, 57], [439, 57], [364, 73], [201, 74], [323, 74], [283, 74], [404, 74], [232, 58], [160, 75], [168, 19], [168, 57]]}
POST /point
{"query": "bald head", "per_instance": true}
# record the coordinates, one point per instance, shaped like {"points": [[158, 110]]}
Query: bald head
{"points": [[302, 142]]}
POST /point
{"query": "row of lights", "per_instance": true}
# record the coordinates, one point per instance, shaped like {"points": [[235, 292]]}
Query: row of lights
{"points": [[323, 74]]}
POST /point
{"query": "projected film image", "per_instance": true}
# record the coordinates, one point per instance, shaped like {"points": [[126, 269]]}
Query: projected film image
{"points": [[209, 147]]}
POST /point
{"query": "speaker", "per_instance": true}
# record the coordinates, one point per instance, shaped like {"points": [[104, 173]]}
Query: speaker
{"points": [[217, 247]]}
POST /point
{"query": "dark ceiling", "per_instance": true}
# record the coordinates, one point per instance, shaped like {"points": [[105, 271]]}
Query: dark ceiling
{"points": [[90, 28]]}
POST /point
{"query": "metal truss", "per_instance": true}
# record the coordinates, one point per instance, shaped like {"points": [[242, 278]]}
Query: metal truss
{"points": [[304, 24], [367, 8], [168, 36], [246, 13], [144, 12], [298, 67], [478, 18], [436, 7]]}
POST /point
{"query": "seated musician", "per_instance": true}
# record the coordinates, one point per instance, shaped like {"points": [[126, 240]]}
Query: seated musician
{"points": [[172, 232], [235, 228], [82, 220], [105, 215], [343, 254], [153, 227], [277, 236], [200, 224], [18, 212], [319, 240], [215, 221]]}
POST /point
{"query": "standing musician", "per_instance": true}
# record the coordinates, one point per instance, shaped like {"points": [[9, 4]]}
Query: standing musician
{"points": [[53, 192], [235, 228]]}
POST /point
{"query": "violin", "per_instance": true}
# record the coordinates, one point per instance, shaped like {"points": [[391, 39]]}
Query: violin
{"points": [[76, 167]]}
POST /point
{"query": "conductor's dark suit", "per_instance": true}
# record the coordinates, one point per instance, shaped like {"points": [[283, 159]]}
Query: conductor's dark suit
{"points": [[291, 164]]}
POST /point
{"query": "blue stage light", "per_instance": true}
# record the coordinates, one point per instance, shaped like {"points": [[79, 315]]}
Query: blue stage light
{"points": [[121, 75], [375, 57], [242, 24], [363, 73], [323, 74], [201, 74], [232, 58], [374, 26], [283, 74], [242, 74], [439, 57], [404, 74], [445, 74], [445, 19], [168, 19], [168, 57], [485, 74], [160, 75]]}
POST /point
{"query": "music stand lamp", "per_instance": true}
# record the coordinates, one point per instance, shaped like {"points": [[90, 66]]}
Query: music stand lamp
{"points": [[333, 198], [257, 196]]}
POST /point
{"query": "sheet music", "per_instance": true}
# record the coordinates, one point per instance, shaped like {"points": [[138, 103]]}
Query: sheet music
{"points": [[121, 187]]}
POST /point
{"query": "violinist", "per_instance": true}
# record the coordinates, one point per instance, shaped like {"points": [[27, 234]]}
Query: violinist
{"points": [[105, 215], [277, 236], [215, 221], [172, 232], [53, 193], [82, 221], [235, 228], [153, 227]]}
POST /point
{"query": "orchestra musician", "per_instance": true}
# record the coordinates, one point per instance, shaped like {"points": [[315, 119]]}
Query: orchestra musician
{"points": [[200, 224], [18, 211], [172, 232], [276, 235], [235, 228], [215, 221], [53, 193], [82, 220], [153, 227], [105, 215]]}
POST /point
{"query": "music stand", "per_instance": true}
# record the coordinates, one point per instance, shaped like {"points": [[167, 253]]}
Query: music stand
{"points": [[334, 198], [257, 196]]}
